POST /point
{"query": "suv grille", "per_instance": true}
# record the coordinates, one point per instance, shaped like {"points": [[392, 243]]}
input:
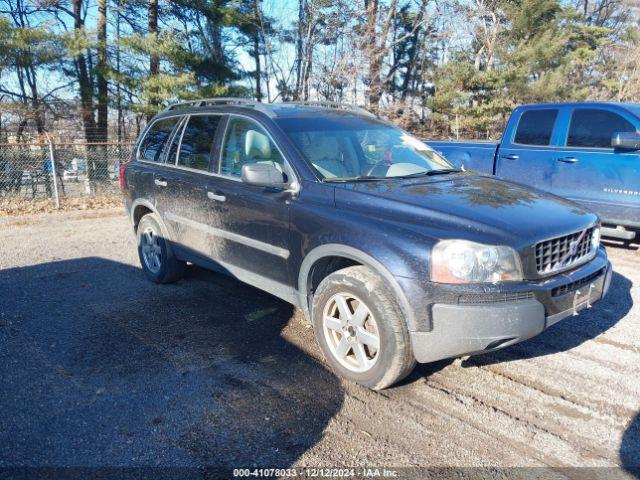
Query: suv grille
{"points": [[562, 252]]}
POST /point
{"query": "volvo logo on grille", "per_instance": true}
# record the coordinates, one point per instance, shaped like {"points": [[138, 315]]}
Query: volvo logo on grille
{"points": [[573, 249]]}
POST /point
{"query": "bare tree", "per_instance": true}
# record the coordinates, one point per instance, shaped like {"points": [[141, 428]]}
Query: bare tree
{"points": [[82, 66], [101, 73], [485, 17]]}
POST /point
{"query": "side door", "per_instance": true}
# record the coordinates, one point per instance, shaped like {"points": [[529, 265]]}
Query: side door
{"points": [[150, 159], [590, 171], [527, 155], [165, 178], [250, 227], [186, 206]]}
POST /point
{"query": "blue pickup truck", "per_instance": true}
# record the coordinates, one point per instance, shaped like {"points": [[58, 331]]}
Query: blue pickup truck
{"points": [[588, 152]]}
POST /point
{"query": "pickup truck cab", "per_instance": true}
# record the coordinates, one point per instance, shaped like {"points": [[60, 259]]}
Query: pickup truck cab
{"points": [[587, 152], [393, 255]]}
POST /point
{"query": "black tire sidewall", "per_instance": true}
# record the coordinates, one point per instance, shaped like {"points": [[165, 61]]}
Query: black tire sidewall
{"points": [[377, 296]]}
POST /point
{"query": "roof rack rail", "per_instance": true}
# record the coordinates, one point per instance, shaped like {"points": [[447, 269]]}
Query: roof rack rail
{"points": [[201, 102], [334, 105], [265, 107]]}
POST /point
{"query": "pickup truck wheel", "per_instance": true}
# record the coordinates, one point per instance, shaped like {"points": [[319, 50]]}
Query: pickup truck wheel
{"points": [[359, 326], [158, 261]]}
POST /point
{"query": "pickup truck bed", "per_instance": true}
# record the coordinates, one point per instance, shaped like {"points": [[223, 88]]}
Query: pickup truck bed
{"points": [[474, 155]]}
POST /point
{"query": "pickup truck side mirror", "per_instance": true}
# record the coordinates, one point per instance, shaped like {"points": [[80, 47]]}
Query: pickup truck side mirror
{"points": [[263, 174], [626, 140]]}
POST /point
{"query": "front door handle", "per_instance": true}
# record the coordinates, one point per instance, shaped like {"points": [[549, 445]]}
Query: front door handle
{"points": [[217, 197], [511, 156], [568, 159], [161, 182]]}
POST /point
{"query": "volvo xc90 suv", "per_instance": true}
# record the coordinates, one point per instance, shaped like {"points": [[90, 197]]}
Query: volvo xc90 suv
{"points": [[393, 255]]}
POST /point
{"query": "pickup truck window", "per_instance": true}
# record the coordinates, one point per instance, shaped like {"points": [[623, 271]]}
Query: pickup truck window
{"points": [[153, 143], [196, 147], [594, 128], [247, 142], [535, 127]]}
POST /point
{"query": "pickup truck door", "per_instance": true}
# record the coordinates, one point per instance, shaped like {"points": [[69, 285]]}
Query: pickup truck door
{"points": [[589, 171], [250, 237], [526, 153]]}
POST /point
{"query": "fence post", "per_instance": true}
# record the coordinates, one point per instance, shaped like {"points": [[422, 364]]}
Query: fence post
{"points": [[53, 169]]}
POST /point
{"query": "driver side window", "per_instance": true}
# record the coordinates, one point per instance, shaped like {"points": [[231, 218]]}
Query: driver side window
{"points": [[247, 142], [593, 128]]}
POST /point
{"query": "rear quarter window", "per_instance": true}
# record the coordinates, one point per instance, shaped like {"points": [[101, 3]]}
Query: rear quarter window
{"points": [[153, 142], [536, 127]]}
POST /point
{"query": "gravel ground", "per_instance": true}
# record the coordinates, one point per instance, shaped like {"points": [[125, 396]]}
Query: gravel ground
{"points": [[99, 367]]}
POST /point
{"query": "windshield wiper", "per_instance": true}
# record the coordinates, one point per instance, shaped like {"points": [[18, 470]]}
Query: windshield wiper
{"points": [[441, 171], [367, 178], [361, 178]]}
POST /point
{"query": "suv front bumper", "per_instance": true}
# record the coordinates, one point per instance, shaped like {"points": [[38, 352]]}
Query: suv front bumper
{"points": [[480, 323]]}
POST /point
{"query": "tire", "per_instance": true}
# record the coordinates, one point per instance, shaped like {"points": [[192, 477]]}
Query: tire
{"points": [[357, 285], [167, 268]]}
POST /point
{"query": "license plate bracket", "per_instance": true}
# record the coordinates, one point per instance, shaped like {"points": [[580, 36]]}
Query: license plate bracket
{"points": [[582, 298]]}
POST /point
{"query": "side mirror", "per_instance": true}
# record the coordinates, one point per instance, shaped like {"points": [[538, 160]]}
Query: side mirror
{"points": [[626, 140], [263, 174]]}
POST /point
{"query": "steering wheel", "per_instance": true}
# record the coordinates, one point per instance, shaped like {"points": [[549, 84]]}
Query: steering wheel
{"points": [[381, 163]]}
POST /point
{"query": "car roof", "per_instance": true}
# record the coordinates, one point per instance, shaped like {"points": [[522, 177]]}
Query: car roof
{"points": [[583, 104]]}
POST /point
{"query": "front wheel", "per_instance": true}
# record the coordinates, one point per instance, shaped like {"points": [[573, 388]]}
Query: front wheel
{"points": [[156, 257], [360, 329]]}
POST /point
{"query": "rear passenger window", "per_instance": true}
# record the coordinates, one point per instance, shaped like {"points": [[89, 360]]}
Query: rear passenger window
{"points": [[594, 128], [196, 147], [155, 139], [535, 127]]}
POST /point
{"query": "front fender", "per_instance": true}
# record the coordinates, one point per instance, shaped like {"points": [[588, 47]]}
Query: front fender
{"points": [[403, 288]]}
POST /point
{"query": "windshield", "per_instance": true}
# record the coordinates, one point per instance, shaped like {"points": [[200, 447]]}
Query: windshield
{"points": [[353, 147]]}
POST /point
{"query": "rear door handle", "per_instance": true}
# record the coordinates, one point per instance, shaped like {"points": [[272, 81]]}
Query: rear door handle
{"points": [[161, 182], [511, 156], [568, 159], [217, 197]]}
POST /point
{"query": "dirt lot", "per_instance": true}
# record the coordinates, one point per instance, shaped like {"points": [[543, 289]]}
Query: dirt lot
{"points": [[99, 367]]}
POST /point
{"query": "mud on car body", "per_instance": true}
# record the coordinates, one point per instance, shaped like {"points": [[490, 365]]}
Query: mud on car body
{"points": [[393, 254]]}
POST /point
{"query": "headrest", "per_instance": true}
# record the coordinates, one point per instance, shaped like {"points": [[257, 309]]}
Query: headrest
{"points": [[326, 148], [257, 145]]}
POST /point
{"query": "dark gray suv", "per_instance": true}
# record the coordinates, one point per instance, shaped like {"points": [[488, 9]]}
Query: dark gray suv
{"points": [[393, 254]]}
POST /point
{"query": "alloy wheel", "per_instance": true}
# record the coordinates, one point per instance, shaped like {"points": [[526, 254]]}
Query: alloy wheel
{"points": [[351, 332], [151, 250]]}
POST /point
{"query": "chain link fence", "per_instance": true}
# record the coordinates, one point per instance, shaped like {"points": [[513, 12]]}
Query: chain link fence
{"points": [[28, 170]]}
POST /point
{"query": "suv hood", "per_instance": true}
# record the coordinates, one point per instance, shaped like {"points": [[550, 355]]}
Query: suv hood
{"points": [[467, 206]]}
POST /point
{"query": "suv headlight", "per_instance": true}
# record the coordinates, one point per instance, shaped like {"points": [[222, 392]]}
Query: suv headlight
{"points": [[462, 261], [595, 239]]}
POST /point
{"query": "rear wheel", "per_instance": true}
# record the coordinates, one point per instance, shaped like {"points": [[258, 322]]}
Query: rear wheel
{"points": [[156, 257], [359, 326]]}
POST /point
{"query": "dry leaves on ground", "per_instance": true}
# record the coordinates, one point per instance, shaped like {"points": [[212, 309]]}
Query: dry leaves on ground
{"points": [[23, 206]]}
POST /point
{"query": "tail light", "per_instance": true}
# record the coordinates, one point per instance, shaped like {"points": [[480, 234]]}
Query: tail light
{"points": [[122, 167]]}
